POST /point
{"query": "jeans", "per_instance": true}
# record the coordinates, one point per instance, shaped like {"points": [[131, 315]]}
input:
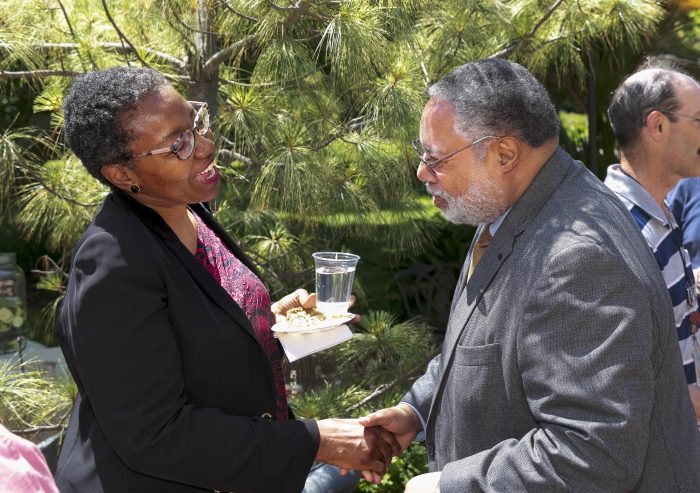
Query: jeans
{"points": [[325, 478]]}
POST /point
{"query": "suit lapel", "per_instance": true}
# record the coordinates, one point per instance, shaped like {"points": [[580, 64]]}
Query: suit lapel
{"points": [[504, 242], [469, 297], [198, 273]]}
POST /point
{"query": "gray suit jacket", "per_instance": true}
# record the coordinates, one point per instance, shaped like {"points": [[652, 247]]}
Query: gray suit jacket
{"points": [[560, 369]]}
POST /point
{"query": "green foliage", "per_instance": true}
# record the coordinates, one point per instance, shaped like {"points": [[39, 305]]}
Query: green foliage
{"points": [[29, 397], [58, 203], [315, 104], [52, 281], [382, 350], [18, 157], [326, 401], [575, 128], [385, 348]]}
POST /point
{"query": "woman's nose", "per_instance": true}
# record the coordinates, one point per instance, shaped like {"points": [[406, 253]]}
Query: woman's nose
{"points": [[204, 144]]}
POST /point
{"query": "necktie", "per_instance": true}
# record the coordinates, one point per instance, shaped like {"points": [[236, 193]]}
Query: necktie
{"points": [[481, 245]]}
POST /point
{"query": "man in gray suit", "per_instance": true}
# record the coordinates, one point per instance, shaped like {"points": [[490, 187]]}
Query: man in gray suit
{"points": [[560, 369]]}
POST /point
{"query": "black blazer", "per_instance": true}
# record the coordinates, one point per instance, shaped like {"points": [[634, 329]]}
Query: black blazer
{"points": [[175, 392]]}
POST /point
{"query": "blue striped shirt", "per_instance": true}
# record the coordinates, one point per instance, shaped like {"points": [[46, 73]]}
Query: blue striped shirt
{"points": [[664, 237]]}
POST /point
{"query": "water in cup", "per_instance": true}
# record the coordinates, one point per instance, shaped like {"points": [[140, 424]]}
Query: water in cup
{"points": [[335, 272], [333, 286]]}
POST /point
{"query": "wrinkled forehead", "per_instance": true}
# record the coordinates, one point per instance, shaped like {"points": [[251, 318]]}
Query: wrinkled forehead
{"points": [[438, 115], [688, 94]]}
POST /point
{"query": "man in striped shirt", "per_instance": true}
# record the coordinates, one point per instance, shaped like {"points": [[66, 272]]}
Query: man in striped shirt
{"points": [[655, 116]]}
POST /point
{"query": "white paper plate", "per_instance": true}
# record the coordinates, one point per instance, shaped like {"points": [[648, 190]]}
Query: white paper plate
{"points": [[326, 324]]}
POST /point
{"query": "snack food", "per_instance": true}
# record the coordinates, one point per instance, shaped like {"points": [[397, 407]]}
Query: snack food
{"points": [[300, 317]]}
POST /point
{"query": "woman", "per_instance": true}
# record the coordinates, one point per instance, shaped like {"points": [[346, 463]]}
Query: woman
{"points": [[166, 325]]}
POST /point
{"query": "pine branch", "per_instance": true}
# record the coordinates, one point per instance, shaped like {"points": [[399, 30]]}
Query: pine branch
{"points": [[298, 11], [239, 14], [358, 124], [73, 35], [29, 431], [221, 55], [37, 74], [192, 29], [301, 8], [279, 8], [55, 192], [383, 389], [116, 47], [516, 44], [34, 429], [449, 58], [50, 266], [122, 36], [237, 156]]}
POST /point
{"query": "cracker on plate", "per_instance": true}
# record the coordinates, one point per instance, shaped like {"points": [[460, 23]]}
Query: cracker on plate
{"points": [[301, 317]]}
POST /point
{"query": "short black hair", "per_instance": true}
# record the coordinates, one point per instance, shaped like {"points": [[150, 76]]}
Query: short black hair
{"points": [[632, 102], [93, 109], [497, 96]]}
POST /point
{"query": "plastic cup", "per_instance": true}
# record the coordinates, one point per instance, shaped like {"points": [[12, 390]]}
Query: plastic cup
{"points": [[335, 272]]}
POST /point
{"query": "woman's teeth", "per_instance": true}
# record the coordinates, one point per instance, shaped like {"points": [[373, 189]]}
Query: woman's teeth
{"points": [[207, 172]]}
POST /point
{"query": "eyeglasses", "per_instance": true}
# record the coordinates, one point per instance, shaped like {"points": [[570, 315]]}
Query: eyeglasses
{"points": [[430, 164], [184, 145], [688, 116]]}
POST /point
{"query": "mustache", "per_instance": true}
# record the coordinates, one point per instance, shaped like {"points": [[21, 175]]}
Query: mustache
{"points": [[437, 193]]}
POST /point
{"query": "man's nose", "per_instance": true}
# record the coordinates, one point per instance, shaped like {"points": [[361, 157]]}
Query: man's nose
{"points": [[425, 174]]}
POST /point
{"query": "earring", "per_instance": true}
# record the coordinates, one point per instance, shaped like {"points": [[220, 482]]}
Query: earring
{"points": [[135, 188]]}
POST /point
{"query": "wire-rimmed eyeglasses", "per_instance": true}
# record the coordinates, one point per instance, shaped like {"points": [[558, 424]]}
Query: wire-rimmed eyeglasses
{"points": [[430, 164], [184, 145], [697, 119]]}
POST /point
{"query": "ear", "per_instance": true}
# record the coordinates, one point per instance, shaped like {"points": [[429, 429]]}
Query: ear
{"points": [[657, 125], [509, 151], [119, 175]]}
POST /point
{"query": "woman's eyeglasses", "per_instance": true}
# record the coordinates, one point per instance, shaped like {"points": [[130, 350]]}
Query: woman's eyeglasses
{"points": [[184, 145]]}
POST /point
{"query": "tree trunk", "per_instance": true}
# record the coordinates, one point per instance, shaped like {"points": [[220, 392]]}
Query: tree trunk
{"points": [[204, 82]]}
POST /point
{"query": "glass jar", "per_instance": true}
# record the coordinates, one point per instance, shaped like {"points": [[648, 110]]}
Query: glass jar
{"points": [[13, 304]]}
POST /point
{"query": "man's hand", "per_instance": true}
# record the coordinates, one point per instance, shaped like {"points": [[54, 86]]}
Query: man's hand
{"points": [[696, 273], [424, 483], [349, 445], [401, 420]]}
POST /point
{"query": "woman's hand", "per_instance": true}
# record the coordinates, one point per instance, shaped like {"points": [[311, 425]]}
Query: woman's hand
{"points": [[301, 298], [298, 298], [348, 445]]}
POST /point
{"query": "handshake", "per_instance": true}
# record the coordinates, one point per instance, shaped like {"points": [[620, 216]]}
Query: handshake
{"points": [[368, 444]]}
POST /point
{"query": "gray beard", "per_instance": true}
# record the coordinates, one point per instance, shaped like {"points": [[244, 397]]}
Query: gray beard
{"points": [[481, 203]]}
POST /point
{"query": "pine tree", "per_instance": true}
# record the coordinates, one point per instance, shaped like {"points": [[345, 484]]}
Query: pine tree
{"points": [[315, 105]]}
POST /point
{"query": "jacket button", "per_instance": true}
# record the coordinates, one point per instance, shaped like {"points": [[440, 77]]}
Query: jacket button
{"points": [[266, 416]]}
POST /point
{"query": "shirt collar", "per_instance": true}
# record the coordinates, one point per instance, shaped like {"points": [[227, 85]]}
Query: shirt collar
{"points": [[623, 184], [493, 227]]}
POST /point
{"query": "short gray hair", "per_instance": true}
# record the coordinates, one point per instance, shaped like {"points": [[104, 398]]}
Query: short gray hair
{"points": [[498, 97]]}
